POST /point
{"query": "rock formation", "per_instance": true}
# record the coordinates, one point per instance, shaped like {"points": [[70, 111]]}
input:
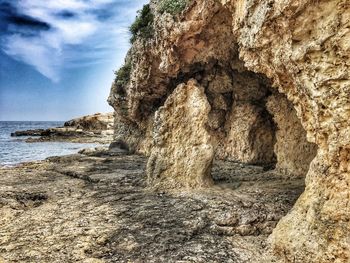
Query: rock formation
{"points": [[181, 121], [294, 153], [96, 122], [90, 128], [244, 53]]}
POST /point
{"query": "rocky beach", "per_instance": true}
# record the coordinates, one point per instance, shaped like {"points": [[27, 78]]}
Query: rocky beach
{"points": [[97, 207]]}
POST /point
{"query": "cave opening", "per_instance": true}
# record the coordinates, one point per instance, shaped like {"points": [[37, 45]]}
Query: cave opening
{"points": [[253, 123], [261, 150], [250, 123], [261, 153]]}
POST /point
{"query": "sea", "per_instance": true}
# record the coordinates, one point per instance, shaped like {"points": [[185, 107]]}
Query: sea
{"points": [[14, 150]]}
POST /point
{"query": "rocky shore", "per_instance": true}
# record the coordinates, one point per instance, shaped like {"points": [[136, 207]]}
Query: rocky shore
{"points": [[97, 128], [96, 207]]}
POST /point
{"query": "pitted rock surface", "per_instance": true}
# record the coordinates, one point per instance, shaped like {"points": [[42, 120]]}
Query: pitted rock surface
{"points": [[97, 208]]}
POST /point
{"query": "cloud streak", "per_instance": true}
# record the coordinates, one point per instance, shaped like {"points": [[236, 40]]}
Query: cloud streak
{"points": [[54, 35]]}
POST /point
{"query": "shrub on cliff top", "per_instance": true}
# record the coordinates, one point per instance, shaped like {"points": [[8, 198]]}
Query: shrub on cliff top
{"points": [[173, 7], [122, 77], [143, 25]]}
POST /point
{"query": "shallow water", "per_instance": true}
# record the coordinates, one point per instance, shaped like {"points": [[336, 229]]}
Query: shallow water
{"points": [[14, 150]]}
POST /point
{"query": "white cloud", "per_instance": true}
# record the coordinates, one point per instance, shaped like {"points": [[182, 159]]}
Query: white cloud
{"points": [[48, 51], [45, 59]]}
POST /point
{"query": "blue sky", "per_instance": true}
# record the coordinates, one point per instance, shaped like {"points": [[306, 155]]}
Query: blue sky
{"points": [[57, 57]]}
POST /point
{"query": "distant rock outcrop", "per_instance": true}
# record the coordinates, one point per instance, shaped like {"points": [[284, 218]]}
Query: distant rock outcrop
{"points": [[92, 128]]}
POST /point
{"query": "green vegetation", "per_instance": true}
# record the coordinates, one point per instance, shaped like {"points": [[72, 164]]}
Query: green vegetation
{"points": [[143, 25], [122, 77], [173, 7]]}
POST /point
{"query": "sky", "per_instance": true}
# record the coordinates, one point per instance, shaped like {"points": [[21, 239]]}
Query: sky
{"points": [[58, 57]]}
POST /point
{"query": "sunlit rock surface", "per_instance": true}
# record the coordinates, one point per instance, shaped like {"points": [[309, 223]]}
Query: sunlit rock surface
{"points": [[181, 121]]}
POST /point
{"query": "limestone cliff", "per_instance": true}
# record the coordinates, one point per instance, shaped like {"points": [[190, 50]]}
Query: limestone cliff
{"points": [[276, 76]]}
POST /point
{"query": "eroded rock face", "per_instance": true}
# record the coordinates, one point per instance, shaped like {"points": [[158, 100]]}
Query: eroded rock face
{"points": [[294, 153], [302, 46], [181, 121], [242, 128], [250, 135]]}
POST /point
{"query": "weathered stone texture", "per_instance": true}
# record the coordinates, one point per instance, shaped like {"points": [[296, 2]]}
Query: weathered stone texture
{"points": [[181, 121], [304, 47], [95, 207], [294, 153], [250, 135]]}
